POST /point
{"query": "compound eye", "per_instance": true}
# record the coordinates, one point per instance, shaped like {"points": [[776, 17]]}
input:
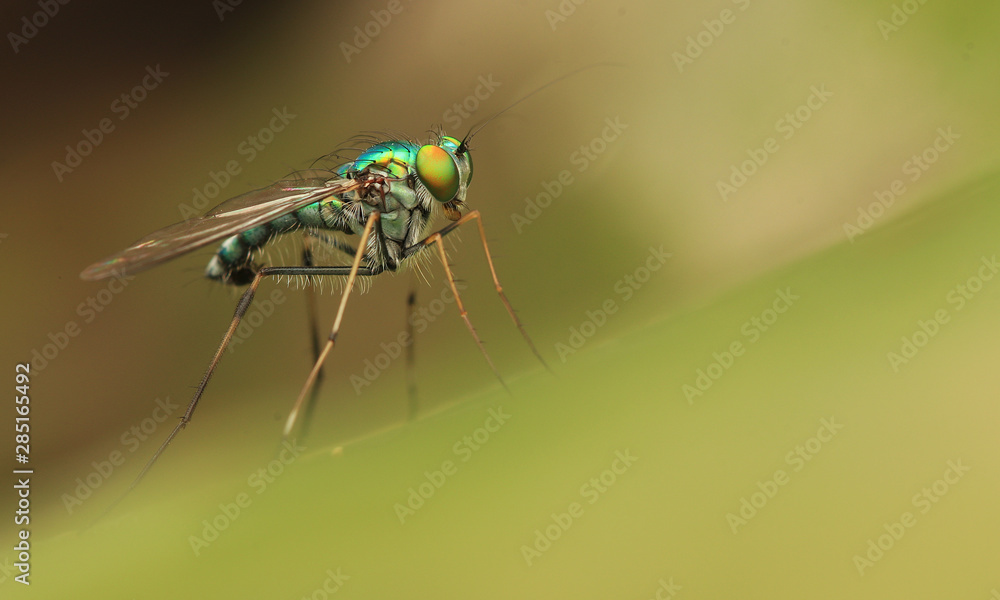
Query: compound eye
{"points": [[437, 170]]}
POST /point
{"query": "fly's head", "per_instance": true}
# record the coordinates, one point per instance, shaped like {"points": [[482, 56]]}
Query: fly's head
{"points": [[445, 169]]}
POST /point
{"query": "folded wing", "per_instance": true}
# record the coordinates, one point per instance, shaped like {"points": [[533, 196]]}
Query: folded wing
{"points": [[229, 218]]}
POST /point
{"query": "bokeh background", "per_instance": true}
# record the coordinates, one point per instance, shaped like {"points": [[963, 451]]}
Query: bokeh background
{"points": [[697, 88]]}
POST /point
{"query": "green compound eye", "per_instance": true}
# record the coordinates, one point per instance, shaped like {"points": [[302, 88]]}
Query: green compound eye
{"points": [[437, 170]]}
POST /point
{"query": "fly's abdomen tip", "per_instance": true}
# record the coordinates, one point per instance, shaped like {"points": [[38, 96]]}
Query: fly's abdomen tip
{"points": [[215, 269]]}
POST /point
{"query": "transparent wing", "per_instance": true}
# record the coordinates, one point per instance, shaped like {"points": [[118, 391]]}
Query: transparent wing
{"points": [[229, 218]]}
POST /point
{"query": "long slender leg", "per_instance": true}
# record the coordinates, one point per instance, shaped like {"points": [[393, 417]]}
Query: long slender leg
{"points": [[307, 261], [241, 308], [438, 238], [293, 416], [489, 259], [411, 363]]}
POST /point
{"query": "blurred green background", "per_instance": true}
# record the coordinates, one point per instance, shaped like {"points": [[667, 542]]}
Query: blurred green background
{"points": [[838, 98]]}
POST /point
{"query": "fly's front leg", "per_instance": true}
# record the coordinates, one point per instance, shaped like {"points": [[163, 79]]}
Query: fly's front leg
{"points": [[436, 237]]}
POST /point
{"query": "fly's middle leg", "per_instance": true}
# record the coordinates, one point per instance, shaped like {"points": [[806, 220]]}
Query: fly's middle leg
{"points": [[372, 226], [307, 261], [411, 364]]}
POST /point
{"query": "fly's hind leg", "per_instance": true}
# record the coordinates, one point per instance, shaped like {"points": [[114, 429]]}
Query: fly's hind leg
{"points": [[241, 309]]}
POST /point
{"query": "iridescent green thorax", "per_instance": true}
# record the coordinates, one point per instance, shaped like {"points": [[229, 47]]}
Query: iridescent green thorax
{"points": [[395, 157], [442, 170]]}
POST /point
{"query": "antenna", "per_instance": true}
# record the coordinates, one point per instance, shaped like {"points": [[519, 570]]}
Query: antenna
{"points": [[464, 146]]}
